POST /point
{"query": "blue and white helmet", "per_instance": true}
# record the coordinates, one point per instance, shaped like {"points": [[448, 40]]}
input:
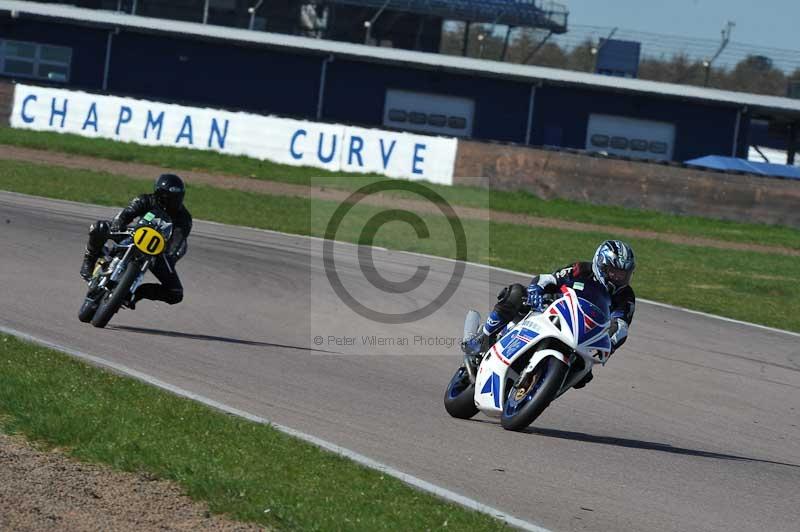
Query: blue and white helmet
{"points": [[613, 264]]}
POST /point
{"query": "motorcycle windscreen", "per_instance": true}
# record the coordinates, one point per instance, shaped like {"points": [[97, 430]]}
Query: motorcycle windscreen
{"points": [[594, 309], [594, 319]]}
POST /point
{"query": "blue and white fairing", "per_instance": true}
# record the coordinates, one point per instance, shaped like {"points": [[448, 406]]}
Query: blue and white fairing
{"points": [[579, 320]]}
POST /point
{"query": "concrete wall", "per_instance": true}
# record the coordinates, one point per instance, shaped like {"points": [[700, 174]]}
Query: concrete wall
{"points": [[6, 102], [673, 189]]}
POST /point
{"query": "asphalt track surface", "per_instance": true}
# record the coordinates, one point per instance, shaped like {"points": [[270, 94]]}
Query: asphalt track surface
{"points": [[694, 425]]}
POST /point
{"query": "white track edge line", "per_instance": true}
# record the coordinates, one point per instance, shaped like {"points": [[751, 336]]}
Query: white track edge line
{"points": [[475, 264], [360, 459]]}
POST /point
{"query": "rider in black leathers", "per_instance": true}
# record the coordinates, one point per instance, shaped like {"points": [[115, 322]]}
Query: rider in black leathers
{"points": [[168, 195]]}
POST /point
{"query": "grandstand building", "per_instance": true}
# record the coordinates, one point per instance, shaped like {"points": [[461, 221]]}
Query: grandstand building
{"points": [[407, 24], [329, 81]]}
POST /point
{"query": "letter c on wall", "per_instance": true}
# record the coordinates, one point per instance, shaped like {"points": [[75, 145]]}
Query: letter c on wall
{"points": [[299, 133], [27, 118]]}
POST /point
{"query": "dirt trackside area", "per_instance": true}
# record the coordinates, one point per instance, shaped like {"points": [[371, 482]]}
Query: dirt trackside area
{"points": [[276, 188], [46, 490]]}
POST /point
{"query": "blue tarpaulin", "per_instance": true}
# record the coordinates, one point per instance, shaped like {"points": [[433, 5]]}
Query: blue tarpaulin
{"points": [[742, 165]]}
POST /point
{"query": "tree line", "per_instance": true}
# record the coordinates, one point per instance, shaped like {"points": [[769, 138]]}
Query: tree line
{"points": [[754, 74]]}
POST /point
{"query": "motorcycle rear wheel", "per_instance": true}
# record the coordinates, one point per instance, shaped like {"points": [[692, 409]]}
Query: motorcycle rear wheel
{"points": [[529, 396], [112, 301], [459, 397]]}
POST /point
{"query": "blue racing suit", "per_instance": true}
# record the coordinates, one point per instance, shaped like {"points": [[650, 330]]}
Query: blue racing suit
{"points": [[512, 302]]}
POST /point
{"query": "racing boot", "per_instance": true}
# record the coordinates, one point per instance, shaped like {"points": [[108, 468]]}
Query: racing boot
{"points": [[89, 260], [130, 303], [584, 381]]}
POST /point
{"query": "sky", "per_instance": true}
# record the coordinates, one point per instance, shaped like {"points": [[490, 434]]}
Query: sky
{"points": [[768, 23]]}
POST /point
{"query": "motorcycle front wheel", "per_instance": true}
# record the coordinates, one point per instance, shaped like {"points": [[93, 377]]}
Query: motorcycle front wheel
{"points": [[532, 393], [113, 300], [88, 308], [459, 397]]}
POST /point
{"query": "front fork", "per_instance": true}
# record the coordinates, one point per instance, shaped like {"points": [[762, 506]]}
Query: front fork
{"points": [[540, 356], [139, 278], [118, 266]]}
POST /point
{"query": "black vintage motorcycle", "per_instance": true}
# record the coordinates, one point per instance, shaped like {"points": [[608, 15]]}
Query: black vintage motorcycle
{"points": [[121, 268]]}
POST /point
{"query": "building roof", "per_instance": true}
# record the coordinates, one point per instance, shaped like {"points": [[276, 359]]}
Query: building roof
{"points": [[511, 12], [732, 164], [773, 106]]}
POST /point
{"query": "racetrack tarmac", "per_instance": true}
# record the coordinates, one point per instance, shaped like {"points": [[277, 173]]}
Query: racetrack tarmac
{"points": [[693, 425]]}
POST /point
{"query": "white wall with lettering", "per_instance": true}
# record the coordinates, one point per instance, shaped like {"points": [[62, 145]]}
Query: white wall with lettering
{"points": [[294, 142]]}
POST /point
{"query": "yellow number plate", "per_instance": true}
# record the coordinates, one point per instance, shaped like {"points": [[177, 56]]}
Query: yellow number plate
{"points": [[148, 240]]}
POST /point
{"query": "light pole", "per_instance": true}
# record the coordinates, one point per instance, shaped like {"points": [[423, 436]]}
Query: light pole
{"points": [[726, 37], [595, 50], [368, 33], [368, 23], [252, 11]]}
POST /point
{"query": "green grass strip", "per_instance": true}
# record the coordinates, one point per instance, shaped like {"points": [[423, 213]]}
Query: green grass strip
{"points": [[514, 202], [248, 470], [755, 287]]}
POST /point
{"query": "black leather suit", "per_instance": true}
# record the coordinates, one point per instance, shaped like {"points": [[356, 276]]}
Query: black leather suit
{"points": [[170, 290]]}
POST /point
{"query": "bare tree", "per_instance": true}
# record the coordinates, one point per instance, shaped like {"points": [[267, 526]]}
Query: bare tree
{"points": [[754, 74]]}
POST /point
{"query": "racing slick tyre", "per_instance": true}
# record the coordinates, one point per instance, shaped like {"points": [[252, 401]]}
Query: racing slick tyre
{"points": [[532, 393], [459, 397], [88, 308], [113, 300], [90, 302]]}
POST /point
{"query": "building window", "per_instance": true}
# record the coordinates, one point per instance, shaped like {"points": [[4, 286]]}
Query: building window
{"points": [[439, 114], [397, 115], [417, 118], [658, 147], [601, 141], [457, 122], [436, 120], [34, 60], [619, 143]]}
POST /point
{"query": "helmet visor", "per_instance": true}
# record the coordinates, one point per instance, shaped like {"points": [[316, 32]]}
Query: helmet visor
{"points": [[618, 277], [171, 198]]}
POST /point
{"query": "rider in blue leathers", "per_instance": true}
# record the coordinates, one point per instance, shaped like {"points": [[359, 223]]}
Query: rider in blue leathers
{"points": [[613, 265]]}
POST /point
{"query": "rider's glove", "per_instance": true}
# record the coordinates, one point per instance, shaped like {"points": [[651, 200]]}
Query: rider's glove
{"points": [[618, 332], [535, 293]]}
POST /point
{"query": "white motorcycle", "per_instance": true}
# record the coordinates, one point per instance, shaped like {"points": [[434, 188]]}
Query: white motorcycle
{"points": [[535, 360]]}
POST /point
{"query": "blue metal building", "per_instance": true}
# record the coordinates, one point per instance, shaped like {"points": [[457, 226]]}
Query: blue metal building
{"points": [[380, 87]]}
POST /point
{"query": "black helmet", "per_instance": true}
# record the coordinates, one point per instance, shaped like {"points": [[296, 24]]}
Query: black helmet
{"points": [[169, 191], [613, 264]]}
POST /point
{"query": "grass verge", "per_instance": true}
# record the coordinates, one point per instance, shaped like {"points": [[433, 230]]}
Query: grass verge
{"points": [[248, 470], [517, 202], [755, 287]]}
